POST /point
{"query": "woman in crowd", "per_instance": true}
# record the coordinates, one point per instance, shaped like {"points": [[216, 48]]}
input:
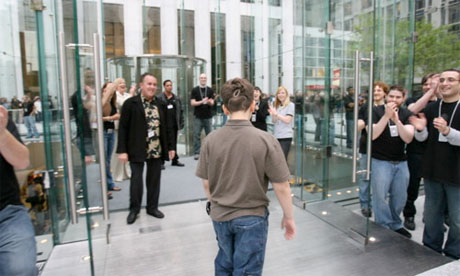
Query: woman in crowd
{"points": [[109, 116], [260, 113], [121, 171], [283, 116]]}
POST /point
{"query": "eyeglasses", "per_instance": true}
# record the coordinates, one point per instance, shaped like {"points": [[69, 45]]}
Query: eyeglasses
{"points": [[451, 80]]}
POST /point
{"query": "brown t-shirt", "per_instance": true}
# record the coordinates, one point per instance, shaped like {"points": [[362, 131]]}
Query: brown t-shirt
{"points": [[238, 160]]}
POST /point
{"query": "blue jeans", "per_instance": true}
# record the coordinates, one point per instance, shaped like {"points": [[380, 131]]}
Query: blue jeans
{"points": [[389, 180], [350, 124], [109, 141], [437, 197], [17, 242], [241, 244], [199, 125], [363, 184], [31, 127]]}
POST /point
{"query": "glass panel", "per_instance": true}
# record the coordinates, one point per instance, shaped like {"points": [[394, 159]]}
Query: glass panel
{"points": [[114, 29], [186, 31], [152, 30]]}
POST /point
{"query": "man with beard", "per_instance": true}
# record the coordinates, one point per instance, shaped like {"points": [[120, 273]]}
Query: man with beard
{"points": [[390, 174]]}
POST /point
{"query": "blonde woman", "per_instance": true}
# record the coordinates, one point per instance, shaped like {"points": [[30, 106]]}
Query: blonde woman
{"points": [[283, 119], [121, 171]]}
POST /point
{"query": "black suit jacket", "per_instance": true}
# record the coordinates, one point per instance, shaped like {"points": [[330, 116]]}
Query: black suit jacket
{"points": [[132, 131]]}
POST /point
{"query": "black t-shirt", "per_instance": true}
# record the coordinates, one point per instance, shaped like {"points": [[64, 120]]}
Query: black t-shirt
{"points": [[415, 146], [9, 187], [203, 111], [110, 124], [28, 108], [261, 115], [171, 112], [441, 159], [362, 115], [385, 147], [348, 110]]}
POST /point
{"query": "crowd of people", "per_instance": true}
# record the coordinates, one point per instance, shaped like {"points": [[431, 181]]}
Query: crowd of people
{"points": [[412, 139]]}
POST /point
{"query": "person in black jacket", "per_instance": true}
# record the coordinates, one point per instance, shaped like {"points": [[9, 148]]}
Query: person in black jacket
{"points": [[143, 136], [260, 113], [174, 114]]}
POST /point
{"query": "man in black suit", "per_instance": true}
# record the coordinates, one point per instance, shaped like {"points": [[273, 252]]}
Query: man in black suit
{"points": [[143, 137]]}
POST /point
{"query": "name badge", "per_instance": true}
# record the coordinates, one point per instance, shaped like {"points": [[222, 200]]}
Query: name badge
{"points": [[394, 131], [442, 138], [253, 117], [170, 106], [151, 134]]}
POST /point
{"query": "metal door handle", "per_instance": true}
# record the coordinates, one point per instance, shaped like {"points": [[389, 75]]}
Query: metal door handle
{"points": [[370, 106], [100, 125], [355, 118], [369, 116], [67, 129]]}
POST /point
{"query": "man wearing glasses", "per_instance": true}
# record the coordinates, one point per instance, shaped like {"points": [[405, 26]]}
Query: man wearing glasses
{"points": [[440, 126]]}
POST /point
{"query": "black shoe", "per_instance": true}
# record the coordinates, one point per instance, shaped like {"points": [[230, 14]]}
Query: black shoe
{"points": [[162, 167], [409, 223], [178, 164], [131, 217], [367, 212], [109, 197], [196, 157], [156, 213], [404, 232]]}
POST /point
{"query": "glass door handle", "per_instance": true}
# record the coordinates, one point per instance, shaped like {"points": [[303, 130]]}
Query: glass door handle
{"points": [[355, 118], [100, 125], [370, 106], [67, 129], [369, 115]]}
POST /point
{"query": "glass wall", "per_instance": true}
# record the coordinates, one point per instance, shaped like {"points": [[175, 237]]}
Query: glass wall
{"points": [[152, 30], [114, 30]]}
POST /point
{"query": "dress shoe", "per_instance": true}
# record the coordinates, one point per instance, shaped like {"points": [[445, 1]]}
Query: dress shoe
{"points": [[196, 157], [367, 212], [131, 217], [404, 232], [177, 163], [156, 213], [409, 223]]}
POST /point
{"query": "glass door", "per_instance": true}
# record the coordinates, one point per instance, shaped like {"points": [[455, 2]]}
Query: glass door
{"points": [[70, 73], [341, 49]]}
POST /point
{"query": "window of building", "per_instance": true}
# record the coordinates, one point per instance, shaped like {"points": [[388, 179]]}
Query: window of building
{"points": [[247, 48], [419, 4], [347, 9], [366, 4], [114, 30], [186, 26], [276, 3], [152, 30], [218, 49]]}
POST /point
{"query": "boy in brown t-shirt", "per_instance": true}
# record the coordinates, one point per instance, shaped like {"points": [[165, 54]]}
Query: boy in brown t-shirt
{"points": [[235, 164]]}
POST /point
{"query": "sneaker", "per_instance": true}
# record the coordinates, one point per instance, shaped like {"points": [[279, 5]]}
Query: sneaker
{"points": [[404, 232], [196, 157], [409, 223], [367, 212]]}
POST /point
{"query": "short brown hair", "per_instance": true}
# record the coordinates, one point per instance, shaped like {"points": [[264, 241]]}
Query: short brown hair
{"points": [[398, 88], [237, 94], [383, 85]]}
